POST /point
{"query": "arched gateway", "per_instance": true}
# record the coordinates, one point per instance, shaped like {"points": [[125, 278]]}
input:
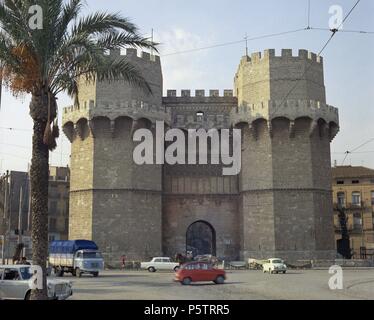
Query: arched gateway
{"points": [[201, 238]]}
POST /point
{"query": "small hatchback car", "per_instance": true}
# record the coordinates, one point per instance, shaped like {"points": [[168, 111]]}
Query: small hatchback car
{"points": [[199, 271]]}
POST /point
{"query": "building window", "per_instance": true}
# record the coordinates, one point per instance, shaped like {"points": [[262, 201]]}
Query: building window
{"points": [[357, 220], [370, 238], [355, 181], [52, 224], [52, 207], [340, 182], [372, 198], [341, 199], [356, 198]]}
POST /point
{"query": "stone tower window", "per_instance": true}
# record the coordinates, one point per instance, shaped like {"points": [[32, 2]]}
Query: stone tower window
{"points": [[199, 116]]}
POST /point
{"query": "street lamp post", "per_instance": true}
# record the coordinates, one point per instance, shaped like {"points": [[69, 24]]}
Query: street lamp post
{"points": [[20, 216], [5, 216], [2, 249]]}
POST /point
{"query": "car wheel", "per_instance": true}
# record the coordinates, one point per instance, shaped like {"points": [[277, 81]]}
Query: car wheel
{"points": [[186, 281], [176, 268], [151, 269], [28, 295], [78, 272], [284, 272], [95, 274], [219, 280]]}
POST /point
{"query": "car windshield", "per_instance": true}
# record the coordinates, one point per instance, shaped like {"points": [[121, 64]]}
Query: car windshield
{"points": [[277, 261], [25, 273], [91, 255]]}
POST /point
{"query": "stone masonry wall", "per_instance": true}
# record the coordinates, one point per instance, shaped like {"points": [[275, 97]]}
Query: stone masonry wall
{"points": [[81, 182], [265, 76], [256, 181], [127, 223]]}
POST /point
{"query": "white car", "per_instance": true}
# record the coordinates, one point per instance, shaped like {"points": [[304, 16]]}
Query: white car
{"points": [[160, 263], [15, 284], [274, 265]]}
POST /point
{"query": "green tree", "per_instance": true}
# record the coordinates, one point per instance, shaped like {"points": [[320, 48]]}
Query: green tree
{"points": [[46, 46]]}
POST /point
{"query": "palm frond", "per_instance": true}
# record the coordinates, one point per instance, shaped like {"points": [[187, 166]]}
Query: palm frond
{"points": [[70, 12], [99, 23], [122, 40], [67, 47]]}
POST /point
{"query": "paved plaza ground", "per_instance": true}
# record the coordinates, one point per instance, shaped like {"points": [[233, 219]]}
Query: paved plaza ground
{"points": [[240, 284]]}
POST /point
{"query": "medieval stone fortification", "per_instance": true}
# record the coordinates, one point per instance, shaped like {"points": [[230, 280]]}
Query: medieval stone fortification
{"points": [[279, 205]]}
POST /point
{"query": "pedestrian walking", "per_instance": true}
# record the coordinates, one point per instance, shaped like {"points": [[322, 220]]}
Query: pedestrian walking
{"points": [[123, 260]]}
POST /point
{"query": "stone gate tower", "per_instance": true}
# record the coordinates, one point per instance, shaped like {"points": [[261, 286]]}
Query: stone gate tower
{"points": [[112, 200], [285, 182], [279, 205]]}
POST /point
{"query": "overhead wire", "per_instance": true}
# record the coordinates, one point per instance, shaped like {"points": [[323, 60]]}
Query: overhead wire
{"points": [[334, 31]]}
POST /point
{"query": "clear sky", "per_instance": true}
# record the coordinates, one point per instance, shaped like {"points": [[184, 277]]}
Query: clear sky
{"points": [[182, 25]]}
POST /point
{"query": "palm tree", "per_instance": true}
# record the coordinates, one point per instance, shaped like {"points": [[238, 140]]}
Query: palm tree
{"points": [[46, 60]]}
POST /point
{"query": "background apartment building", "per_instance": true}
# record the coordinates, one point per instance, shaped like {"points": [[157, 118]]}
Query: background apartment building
{"points": [[353, 191], [58, 203], [15, 212]]}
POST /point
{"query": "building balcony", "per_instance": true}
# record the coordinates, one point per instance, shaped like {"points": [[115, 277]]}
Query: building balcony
{"points": [[351, 229], [352, 206]]}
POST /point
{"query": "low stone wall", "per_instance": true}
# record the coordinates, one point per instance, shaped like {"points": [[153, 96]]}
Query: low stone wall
{"points": [[343, 263], [310, 264]]}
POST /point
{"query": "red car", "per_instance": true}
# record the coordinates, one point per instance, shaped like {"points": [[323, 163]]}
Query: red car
{"points": [[199, 271]]}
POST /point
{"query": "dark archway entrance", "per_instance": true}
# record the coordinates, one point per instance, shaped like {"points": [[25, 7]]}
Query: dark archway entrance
{"points": [[201, 238]]}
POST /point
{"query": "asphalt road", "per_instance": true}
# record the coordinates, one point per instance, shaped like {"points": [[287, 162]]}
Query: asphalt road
{"points": [[240, 284]]}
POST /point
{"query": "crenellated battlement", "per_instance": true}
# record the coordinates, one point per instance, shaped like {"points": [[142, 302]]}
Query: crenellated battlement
{"points": [[186, 93], [133, 53], [286, 54], [267, 76], [134, 109]]}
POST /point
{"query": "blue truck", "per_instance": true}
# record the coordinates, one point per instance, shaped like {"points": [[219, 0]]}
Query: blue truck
{"points": [[76, 257]]}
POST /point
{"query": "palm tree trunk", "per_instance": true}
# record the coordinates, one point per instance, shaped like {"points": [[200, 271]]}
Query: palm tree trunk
{"points": [[39, 176]]}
